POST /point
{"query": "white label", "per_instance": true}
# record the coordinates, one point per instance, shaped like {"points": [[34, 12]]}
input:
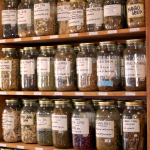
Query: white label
{"points": [[58, 93], [2, 41], [131, 125], [122, 67], [27, 119], [112, 31], [130, 93], [43, 122], [42, 10], [102, 93], [134, 29], [17, 39], [105, 129], [8, 121], [36, 38], [59, 122], [5, 65], [74, 34], [112, 10], [20, 147], [79, 93], [3, 145], [37, 93], [53, 36], [24, 16], [2, 93], [19, 93], [93, 33], [63, 13]]}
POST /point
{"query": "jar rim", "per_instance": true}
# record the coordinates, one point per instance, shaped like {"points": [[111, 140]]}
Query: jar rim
{"points": [[120, 102], [134, 103], [97, 100], [9, 49], [62, 102], [11, 100], [77, 1], [47, 47], [64, 46], [83, 103], [107, 103], [45, 102], [28, 101], [135, 41], [107, 43], [29, 48], [87, 44]]}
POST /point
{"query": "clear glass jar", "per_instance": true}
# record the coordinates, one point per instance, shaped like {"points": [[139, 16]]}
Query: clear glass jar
{"points": [[135, 65], [9, 19], [20, 53], [45, 68], [26, 18], [44, 17], [86, 67], [83, 126], [28, 69], [9, 70], [44, 125], [95, 104], [28, 121], [11, 121], [108, 67], [61, 124], [77, 16], [65, 73], [107, 126], [95, 15]]}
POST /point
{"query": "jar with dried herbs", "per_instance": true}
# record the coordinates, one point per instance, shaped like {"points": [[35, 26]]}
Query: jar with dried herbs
{"points": [[86, 67], [11, 121], [95, 104], [61, 124], [45, 68], [28, 69], [108, 67], [135, 65], [65, 74], [9, 70]]}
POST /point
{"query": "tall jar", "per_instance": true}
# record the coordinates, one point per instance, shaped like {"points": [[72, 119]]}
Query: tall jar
{"points": [[26, 18], [108, 67], [86, 67], [65, 73], [28, 69], [9, 70], [95, 104], [45, 68], [11, 121], [107, 126], [44, 17], [61, 124], [28, 121], [135, 65], [83, 126], [9, 19], [77, 16]]}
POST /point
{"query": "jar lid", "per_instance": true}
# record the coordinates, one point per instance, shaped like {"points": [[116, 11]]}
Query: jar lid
{"points": [[77, 1], [29, 48], [45, 102], [64, 46], [120, 102], [107, 43], [140, 102], [21, 50], [106, 103], [77, 48], [10, 49], [3, 49], [47, 47], [134, 103], [135, 41], [11, 100], [97, 100], [62, 102], [87, 44], [27, 101], [83, 103]]}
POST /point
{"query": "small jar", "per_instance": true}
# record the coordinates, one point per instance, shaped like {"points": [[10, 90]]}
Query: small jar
{"points": [[108, 67], [45, 68], [26, 18], [20, 53], [28, 69], [61, 124], [77, 16], [11, 121], [83, 126], [9, 70], [65, 73], [135, 65], [44, 17], [86, 67], [95, 104], [28, 121]]}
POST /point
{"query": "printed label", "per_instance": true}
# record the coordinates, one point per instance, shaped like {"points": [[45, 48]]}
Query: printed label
{"points": [[122, 67], [5, 65], [8, 121], [43, 123], [27, 119]]}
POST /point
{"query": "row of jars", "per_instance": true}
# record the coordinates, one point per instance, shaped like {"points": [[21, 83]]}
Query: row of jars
{"points": [[63, 127], [41, 17]]}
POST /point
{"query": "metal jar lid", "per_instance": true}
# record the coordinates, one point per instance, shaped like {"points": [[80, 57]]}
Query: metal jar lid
{"points": [[134, 103], [28, 101], [64, 46], [77, 1], [97, 100], [9, 49], [29, 48], [11, 100], [106, 103], [62, 102], [134, 41], [87, 44], [107, 43], [21, 50], [83, 103], [45, 102], [47, 47]]}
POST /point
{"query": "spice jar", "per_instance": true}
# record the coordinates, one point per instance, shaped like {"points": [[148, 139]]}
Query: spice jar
{"points": [[20, 53], [86, 67], [11, 121], [95, 104], [83, 126], [26, 18], [9, 70], [44, 17], [28, 121], [135, 65], [45, 68], [108, 67], [61, 124], [77, 16], [65, 74], [28, 69], [9, 19]]}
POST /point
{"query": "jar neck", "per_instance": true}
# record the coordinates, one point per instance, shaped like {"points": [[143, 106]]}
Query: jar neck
{"points": [[48, 52], [82, 106], [110, 48], [11, 104], [66, 50], [62, 105], [10, 53], [88, 49], [135, 45], [12, 3], [107, 107], [30, 104], [30, 52], [46, 105]]}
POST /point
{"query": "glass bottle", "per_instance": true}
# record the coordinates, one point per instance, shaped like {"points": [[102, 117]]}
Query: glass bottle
{"points": [[95, 104], [20, 53]]}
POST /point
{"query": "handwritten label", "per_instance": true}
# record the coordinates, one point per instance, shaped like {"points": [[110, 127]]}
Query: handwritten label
{"points": [[27, 119], [19, 93], [17, 39], [24, 16], [37, 93], [74, 34], [134, 29], [130, 93], [58, 93], [79, 93], [43, 123], [102, 93], [2, 145], [20, 147], [112, 31], [2, 41], [8, 121], [53, 36], [2, 93], [93, 33], [5, 65], [36, 38]]}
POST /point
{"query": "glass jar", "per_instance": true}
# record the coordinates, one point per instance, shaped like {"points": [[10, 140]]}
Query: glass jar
{"points": [[61, 124], [9, 19], [76, 100], [108, 67], [45, 68], [95, 104], [86, 67], [44, 125], [9, 70], [20, 53], [65, 74], [11, 121], [28, 69], [135, 66], [134, 126], [77, 16], [44, 17], [107, 126], [28, 121], [83, 126], [26, 18], [95, 15]]}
